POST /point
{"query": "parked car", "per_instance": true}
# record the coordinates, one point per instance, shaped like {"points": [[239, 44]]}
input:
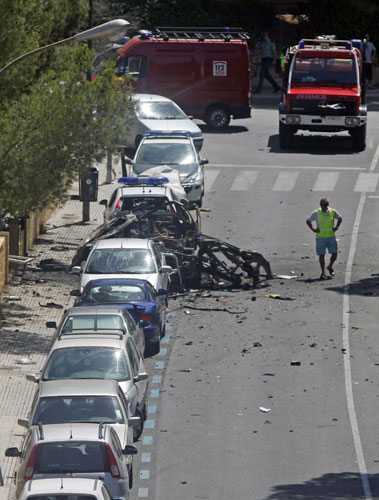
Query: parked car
{"points": [[99, 320], [99, 357], [133, 194], [139, 297], [67, 488], [177, 151], [74, 401], [155, 112], [126, 258], [84, 450]]}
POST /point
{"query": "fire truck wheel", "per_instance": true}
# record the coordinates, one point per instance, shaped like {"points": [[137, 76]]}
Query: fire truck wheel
{"points": [[358, 138], [286, 133], [218, 117]]}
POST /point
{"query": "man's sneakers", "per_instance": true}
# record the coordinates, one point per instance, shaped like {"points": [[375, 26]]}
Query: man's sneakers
{"points": [[323, 277], [331, 271]]}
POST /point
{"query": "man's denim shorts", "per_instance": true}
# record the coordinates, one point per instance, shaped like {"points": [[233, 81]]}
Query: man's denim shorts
{"points": [[323, 244]]}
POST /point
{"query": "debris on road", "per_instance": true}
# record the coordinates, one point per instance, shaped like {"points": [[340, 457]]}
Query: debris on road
{"points": [[295, 363], [52, 305], [264, 410]]}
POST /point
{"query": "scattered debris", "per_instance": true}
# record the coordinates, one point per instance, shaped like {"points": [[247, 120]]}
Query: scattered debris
{"points": [[216, 309], [12, 298], [295, 363], [285, 276], [277, 296], [52, 305], [24, 361], [264, 410], [53, 265]]}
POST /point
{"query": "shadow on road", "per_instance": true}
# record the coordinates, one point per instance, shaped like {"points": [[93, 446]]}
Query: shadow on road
{"points": [[341, 486], [365, 287], [314, 145]]}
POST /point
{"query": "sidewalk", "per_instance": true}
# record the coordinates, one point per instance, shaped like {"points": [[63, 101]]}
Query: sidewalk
{"points": [[38, 297]]}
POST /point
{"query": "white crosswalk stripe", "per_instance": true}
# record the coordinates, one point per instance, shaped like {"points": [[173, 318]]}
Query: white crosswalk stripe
{"points": [[366, 183], [326, 181], [209, 177], [244, 181], [285, 181]]}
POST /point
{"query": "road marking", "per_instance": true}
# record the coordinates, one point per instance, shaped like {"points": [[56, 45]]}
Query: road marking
{"points": [[168, 327], [373, 196], [287, 167], [326, 181], [209, 177], [162, 351], [366, 183], [144, 474], [146, 457], [374, 160], [149, 424], [147, 440], [154, 393], [166, 339], [143, 492], [285, 181], [157, 379], [244, 181], [346, 355], [159, 365], [152, 409]]}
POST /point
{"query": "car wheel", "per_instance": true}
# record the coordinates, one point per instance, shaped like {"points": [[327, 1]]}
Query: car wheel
{"points": [[130, 471], [152, 349], [218, 117], [137, 431], [358, 138]]}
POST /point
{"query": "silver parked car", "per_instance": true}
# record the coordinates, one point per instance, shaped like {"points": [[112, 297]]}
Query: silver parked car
{"points": [[74, 401], [99, 357], [94, 320], [126, 258], [155, 112], [68, 488], [82, 450]]}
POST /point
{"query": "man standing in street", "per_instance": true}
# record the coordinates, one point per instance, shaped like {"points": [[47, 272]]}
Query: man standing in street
{"points": [[324, 218], [369, 52], [268, 54]]}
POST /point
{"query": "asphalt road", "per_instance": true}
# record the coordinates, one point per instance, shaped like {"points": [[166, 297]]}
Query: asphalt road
{"points": [[311, 360]]}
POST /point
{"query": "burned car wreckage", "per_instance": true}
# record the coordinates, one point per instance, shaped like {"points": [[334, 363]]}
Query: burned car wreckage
{"points": [[201, 261]]}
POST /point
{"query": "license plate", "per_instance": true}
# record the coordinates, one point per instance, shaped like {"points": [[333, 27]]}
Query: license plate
{"points": [[332, 118]]}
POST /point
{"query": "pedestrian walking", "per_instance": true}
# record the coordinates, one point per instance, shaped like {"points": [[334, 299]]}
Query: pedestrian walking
{"points": [[268, 55], [369, 53], [325, 229]]}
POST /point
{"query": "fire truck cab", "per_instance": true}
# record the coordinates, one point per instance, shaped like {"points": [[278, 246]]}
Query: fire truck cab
{"points": [[323, 91]]}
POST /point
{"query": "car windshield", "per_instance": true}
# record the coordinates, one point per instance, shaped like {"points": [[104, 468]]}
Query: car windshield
{"points": [[324, 70], [96, 362], [93, 322], [180, 157], [114, 293], [60, 496], [160, 110], [140, 204], [120, 261], [64, 409], [73, 456]]}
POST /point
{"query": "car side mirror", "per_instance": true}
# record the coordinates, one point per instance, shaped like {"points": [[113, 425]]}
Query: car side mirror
{"points": [[24, 422], [128, 161], [134, 421], [141, 376], [204, 162], [129, 450], [75, 293], [103, 202], [12, 452], [165, 269], [32, 377], [76, 269]]}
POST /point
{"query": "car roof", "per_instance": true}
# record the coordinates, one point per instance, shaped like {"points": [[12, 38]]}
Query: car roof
{"points": [[62, 485], [113, 281], [123, 243], [145, 191], [166, 140], [79, 387], [151, 98], [70, 432], [88, 340], [95, 310]]}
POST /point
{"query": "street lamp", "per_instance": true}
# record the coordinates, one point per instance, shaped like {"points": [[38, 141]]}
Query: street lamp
{"points": [[111, 30]]}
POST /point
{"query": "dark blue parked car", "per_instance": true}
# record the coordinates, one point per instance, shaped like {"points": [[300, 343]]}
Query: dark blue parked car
{"points": [[145, 304]]}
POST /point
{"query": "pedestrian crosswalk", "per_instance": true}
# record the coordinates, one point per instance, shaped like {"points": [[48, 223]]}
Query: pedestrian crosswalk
{"points": [[246, 180]]}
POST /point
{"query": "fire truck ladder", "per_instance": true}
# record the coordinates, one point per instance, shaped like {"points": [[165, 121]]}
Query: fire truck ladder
{"points": [[201, 34]]}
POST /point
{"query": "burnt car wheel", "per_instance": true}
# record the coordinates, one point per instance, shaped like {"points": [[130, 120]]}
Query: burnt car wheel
{"points": [[286, 133], [137, 431], [218, 117], [358, 138]]}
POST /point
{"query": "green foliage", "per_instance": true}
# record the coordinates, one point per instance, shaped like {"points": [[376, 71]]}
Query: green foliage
{"points": [[61, 126]]}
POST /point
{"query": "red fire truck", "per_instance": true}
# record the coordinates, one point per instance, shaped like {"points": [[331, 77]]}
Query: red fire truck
{"points": [[323, 91], [206, 71]]}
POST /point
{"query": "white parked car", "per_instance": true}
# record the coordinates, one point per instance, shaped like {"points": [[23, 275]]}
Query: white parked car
{"points": [[67, 488], [126, 258], [155, 112]]}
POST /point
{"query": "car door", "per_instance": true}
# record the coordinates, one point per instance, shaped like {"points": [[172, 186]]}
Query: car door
{"points": [[126, 411], [137, 367], [135, 330], [163, 278], [26, 449], [160, 300]]}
